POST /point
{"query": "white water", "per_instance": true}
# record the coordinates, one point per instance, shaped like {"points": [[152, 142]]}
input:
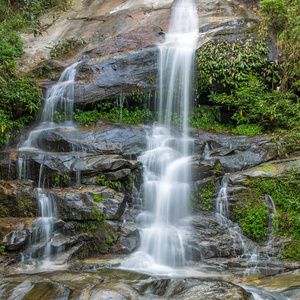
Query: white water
{"points": [[59, 100], [40, 241], [166, 187], [250, 250], [59, 103]]}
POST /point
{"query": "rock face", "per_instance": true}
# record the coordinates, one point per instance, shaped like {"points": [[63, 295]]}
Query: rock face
{"points": [[117, 284], [88, 173], [121, 54]]}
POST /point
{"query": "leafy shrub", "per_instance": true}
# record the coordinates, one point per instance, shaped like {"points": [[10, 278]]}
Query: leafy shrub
{"points": [[86, 117], [248, 129], [291, 251], [282, 18], [113, 114], [85, 226], [223, 65], [274, 12], [253, 103], [62, 48]]}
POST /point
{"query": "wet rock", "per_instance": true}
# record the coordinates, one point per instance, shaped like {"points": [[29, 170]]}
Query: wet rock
{"points": [[101, 138], [208, 239], [203, 168], [79, 204], [236, 153], [14, 232], [118, 175], [116, 284], [118, 76], [128, 239], [15, 240], [18, 199], [59, 243]]}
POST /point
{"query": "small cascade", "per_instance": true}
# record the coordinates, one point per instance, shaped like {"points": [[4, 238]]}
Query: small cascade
{"points": [[57, 112], [40, 241], [251, 251], [163, 221], [58, 107], [272, 224], [222, 216], [206, 153]]}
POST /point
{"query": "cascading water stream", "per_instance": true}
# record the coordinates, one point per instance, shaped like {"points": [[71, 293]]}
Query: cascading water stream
{"points": [[166, 188], [59, 101], [250, 251]]}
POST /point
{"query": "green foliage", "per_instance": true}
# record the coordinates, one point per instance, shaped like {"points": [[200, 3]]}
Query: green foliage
{"points": [[98, 198], [86, 117], [242, 83], [131, 178], [82, 253], [254, 104], [251, 213], [64, 47], [19, 97], [203, 198], [222, 65], [101, 180], [285, 192], [85, 226], [291, 251], [98, 215], [2, 250], [248, 129], [61, 180], [282, 18], [4, 212], [207, 118], [274, 13], [106, 112]]}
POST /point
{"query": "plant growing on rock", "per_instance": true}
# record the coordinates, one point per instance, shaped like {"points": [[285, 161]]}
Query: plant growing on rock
{"points": [[64, 47], [251, 213], [203, 198], [101, 180]]}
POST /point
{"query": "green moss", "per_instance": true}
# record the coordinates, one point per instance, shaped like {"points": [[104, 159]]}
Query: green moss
{"points": [[98, 215], [285, 192], [252, 215], [130, 179], [85, 226], [203, 198], [98, 198]]}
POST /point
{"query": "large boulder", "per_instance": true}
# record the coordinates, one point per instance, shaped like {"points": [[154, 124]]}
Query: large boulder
{"points": [[82, 205], [15, 232], [235, 153]]}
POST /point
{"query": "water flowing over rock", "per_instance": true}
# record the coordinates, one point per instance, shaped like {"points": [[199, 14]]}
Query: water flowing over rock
{"points": [[73, 192], [166, 187]]}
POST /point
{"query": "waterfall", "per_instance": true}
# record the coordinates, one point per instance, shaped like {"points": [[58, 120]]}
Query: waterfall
{"points": [[58, 108], [166, 188], [58, 104]]}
